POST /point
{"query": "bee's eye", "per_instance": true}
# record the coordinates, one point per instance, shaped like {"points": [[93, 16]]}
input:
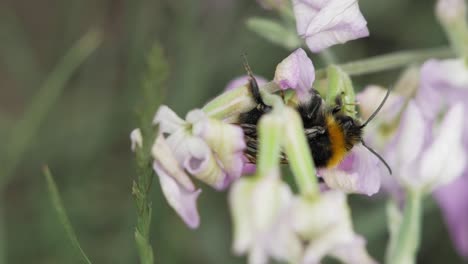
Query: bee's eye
{"points": [[347, 122]]}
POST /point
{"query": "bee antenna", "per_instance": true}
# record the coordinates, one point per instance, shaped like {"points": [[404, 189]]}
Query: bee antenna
{"points": [[246, 65], [378, 156], [377, 110]]}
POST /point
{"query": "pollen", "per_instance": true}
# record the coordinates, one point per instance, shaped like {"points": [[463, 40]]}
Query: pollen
{"points": [[337, 139]]}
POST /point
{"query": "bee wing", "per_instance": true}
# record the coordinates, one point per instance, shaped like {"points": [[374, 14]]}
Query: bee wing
{"points": [[314, 131]]}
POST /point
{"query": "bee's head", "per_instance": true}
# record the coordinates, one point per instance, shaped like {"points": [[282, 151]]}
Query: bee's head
{"points": [[351, 128]]}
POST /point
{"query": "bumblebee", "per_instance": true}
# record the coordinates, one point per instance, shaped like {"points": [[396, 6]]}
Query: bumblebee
{"points": [[330, 133]]}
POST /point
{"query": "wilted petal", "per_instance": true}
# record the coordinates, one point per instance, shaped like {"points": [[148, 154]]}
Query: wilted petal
{"points": [[296, 72], [445, 159], [359, 172], [183, 201], [243, 80], [453, 200], [326, 23], [136, 139], [168, 120]]}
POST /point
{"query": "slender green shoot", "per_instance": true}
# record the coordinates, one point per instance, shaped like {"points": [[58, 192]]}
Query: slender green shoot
{"points": [[62, 215]]}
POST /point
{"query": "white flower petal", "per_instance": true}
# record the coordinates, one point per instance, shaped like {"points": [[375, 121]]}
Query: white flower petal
{"points": [[164, 156], [240, 197], [359, 172], [352, 252], [445, 159], [136, 139], [183, 201], [296, 72], [412, 135], [168, 120], [312, 219]]}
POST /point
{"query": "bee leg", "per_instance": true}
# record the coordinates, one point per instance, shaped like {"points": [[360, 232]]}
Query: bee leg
{"points": [[254, 88], [338, 103]]}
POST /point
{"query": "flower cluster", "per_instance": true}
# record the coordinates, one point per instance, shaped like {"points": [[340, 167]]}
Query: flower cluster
{"points": [[428, 145], [423, 136]]}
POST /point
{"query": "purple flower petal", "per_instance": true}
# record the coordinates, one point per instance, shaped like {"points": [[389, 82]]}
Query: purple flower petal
{"points": [[442, 83], [243, 80], [453, 200], [296, 72], [359, 172], [326, 23], [183, 201]]}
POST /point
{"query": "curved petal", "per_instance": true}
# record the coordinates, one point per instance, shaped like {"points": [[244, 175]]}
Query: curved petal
{"points": [[326, 23], [183, 201], [243, 80], [168, 120], [445, 159], [359, 172], [201, 163], [296, 72]]}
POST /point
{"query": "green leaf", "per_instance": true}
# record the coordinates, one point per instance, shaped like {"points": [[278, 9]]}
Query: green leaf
{"points": [[275, 32], [58, 206]]}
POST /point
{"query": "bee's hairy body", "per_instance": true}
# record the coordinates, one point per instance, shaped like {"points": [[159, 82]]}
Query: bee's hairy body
{"points": [[330, 134]]}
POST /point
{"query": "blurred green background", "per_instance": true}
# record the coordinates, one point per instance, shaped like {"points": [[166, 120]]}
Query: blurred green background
{"points": [[84, 138]]}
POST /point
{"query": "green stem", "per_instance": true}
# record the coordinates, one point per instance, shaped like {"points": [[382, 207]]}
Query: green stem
{"points": [[270, 136], [408, 237], [299, 157], [457, 33], [389, 61]]}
